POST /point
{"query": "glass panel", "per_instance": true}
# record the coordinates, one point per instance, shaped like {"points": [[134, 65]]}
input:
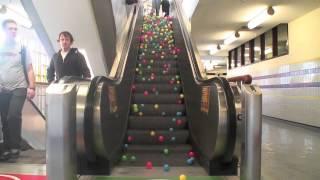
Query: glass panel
{"points": [[239, 56], [233, 59], [247, 54], [283, 43], [257, 50], [268, 48]]}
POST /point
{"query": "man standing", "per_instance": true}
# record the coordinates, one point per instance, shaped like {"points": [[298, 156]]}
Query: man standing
{"points": [[68, 61], [156, 5], [165, 7], [17, 82]]}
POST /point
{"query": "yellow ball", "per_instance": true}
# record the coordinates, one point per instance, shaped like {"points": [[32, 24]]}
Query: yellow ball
{"points": [[152, 133], [183, 177]]}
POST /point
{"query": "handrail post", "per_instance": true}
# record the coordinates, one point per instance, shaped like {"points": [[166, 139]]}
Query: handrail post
{"points": [[61, 124], [251, 99]]}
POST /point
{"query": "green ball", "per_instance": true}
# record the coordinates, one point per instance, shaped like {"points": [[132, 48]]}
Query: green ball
{"points": [[124, 158], [133, 158], [166, 151]]}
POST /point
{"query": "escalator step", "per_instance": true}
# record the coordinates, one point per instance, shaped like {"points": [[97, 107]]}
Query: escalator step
{"points": [[157, 122], [169, 79], [165, 58], [156, 63], [158, 159], [157, 71], [160, 99], [161, 88], [151, 110], [140, 137], [180, 148]]}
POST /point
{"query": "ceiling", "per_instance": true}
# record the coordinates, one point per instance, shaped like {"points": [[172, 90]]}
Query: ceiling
{"points": [[215, 20]]}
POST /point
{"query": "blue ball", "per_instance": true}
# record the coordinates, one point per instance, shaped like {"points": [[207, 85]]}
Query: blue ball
{"points": [[166, 167], [190, 161]]}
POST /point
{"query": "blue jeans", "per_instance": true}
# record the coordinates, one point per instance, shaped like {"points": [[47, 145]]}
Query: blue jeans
{"points": [[11, 104]]}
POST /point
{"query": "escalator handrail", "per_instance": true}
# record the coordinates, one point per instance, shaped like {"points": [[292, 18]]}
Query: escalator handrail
{"points": [[117, 78], [193, 54], [37, 109], [203, 81]]}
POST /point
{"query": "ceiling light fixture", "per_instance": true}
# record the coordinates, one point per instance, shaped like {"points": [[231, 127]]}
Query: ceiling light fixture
{"points": [[231, 38], [261, 17]]}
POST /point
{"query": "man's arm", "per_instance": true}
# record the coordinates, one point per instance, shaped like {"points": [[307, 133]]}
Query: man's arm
{"points": [[84, 68], [32, 84]]}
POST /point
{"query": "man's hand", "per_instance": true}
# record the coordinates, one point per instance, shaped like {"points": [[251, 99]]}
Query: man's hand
{"points": [[30, 93]]}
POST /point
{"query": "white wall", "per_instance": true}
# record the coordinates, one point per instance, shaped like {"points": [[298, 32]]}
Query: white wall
{"points": [[291, 83], [77, 17]]}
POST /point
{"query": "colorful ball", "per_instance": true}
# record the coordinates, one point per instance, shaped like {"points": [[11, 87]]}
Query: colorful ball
{"points": [[179, 113], [179, 122], [133, 158], [191, 154], [156, 106], [152, 133], [166, 167], [124, 158], [130, 138], [140, 113], [126, 146], [182, 177], [149, 165], [173, 138], [166, 151], [161, 139], [190, 161]]}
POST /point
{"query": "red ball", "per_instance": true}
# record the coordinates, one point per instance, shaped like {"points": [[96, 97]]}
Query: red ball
{"points": [[161, 139], [149, 165], [133, 87], [130, 138], [179, 122], [191, 154], [146, 93]]}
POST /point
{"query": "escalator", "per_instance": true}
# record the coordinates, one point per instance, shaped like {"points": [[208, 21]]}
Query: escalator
{"points": [[157, 131], [158, 111]]}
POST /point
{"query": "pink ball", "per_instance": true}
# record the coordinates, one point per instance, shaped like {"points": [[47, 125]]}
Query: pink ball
{"points": [[130, 138], [146, 93], [161, 139], [179, 122], [191, 154], [149, 165]]}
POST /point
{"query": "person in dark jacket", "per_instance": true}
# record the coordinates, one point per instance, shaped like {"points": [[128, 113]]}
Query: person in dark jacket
{"points": [[67, 61], [165, 7]]}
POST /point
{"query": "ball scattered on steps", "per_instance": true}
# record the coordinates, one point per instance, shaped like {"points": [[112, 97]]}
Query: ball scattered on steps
{"points": [[182, 177], [156, 106], [133, 158], [166, 151], [124, 158], [161, 139], [126, 146], [140, 113], [152, 133], [173, 139], [130, 138], [191, 154], [190, 161], [149, 165], [166, 167], [179, 122]]}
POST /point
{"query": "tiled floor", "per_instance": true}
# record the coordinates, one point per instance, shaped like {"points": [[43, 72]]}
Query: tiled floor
{"points": [[289, 152]]}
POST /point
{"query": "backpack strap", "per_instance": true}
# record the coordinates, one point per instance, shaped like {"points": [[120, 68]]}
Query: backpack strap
{"points": [[23, 62]]}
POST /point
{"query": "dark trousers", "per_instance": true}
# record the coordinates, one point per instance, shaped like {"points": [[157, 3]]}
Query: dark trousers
{"points": [[11, 104]]}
